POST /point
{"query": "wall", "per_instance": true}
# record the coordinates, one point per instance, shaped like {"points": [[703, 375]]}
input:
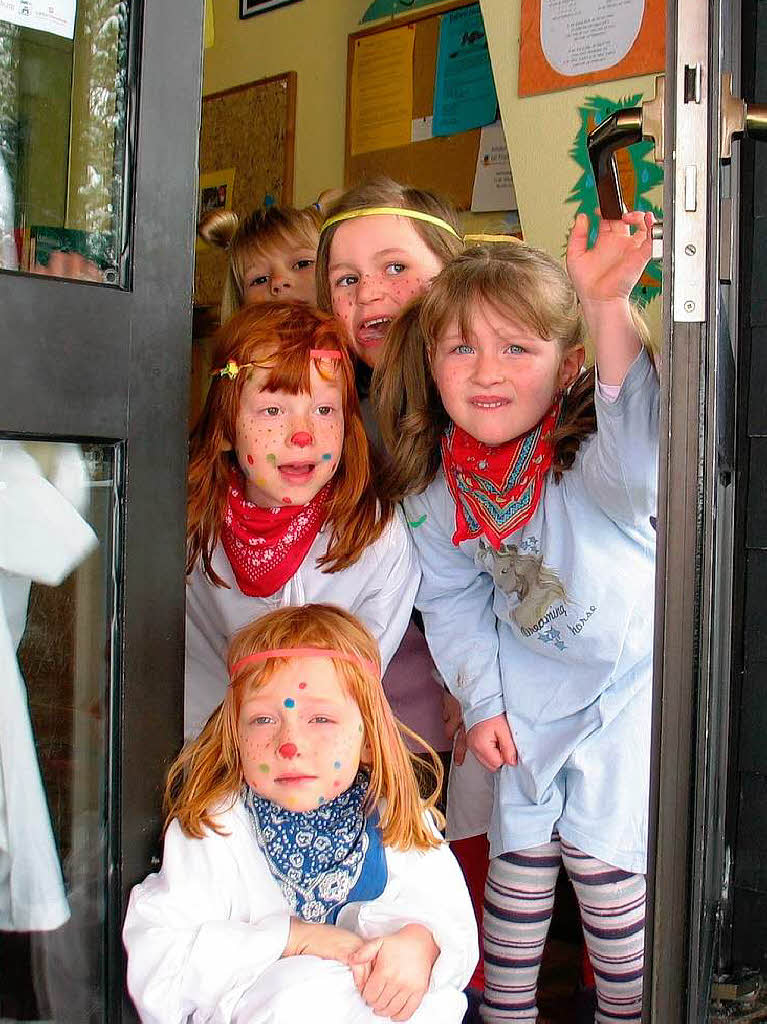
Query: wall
{"points": [[307, 37]]}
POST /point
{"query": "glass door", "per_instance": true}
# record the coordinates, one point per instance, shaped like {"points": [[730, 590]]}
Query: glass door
{"points": [[698, 524], [99, 121]]}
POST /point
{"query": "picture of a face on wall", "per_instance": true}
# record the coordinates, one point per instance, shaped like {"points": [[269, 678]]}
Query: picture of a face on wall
{"points": [[216, 191]]}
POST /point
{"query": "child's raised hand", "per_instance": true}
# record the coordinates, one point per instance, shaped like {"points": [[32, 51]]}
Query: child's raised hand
{"points": [[491, 743], [610, 269], [401, 971], [327, 941]]}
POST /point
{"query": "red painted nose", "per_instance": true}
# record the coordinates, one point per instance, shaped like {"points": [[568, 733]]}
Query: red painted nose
{"points": [[288, 750], [302, 439]]}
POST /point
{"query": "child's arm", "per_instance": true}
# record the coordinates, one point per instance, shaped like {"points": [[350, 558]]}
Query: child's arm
{"points": [[188, 932], [388, 599], [604, 277], [456, 600], [425, 889]]}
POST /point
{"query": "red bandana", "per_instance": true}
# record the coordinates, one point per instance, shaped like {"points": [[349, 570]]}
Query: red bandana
{"points": [[496, 488], [265, 546]]}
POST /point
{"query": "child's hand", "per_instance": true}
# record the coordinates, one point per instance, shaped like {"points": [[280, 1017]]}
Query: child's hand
{"points": [[327, 941], [491, 743], [401, 971], [454, 728], [609, 270]]}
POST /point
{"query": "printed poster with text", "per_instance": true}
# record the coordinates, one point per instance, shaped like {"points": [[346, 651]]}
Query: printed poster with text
{"points": [[564, 43], [55, 16], [382, 90], [464, 89]]}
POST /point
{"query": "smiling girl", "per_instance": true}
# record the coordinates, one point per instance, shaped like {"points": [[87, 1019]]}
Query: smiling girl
{"points": [[303, 878], [533, 487], [272, 253], [281, 505]]}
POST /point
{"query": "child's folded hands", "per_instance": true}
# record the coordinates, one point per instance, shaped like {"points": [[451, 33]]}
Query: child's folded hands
{"points": [[398, 971]]}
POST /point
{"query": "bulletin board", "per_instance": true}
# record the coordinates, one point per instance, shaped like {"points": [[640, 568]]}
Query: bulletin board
{"points": [[248, 130], [445, 164]]}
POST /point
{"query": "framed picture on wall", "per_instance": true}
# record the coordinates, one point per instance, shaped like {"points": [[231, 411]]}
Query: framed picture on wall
{"points": [[250, 7]]}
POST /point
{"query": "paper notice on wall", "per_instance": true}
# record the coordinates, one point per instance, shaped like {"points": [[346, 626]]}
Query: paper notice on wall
{"points": [[464, 88], [493, 186], [565, 43], [582, 36], [56, 16], [382, 90]]}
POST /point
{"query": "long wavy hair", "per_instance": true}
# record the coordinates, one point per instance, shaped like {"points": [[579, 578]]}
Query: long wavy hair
{"points": [[207, 776], [279, 337], [524, 283], [258, 233]]}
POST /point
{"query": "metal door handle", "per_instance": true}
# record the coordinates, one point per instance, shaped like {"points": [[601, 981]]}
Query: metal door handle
{"points": [[623, 128], [740, 118]]}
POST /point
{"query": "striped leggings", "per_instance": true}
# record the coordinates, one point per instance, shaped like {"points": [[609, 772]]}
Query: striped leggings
{"points": [[519, 899]]}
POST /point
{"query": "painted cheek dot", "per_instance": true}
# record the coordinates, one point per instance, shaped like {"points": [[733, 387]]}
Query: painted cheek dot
{"points": [[302, 686], [321, 800], [286, 501], [264, 768], [337, 765], [289, 702], [326, 455], [271, 457], [250, 460], [337, 783]]}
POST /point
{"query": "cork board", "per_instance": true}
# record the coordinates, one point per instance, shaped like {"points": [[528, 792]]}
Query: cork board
{"points": [[445, 165], [251, 130]]}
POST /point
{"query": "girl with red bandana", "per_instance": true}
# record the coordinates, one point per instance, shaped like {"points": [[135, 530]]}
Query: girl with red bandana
{"points": [[281, 504], [531, 489]]}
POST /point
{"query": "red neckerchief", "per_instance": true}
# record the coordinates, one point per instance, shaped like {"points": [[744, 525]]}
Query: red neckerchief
{"points": [[496, 488], [265, 546]]}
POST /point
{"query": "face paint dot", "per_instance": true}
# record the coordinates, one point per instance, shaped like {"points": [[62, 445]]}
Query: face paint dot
{"points": [[327, 456], [264, 768], [337, 783], [321, 800], [271, 457], [337, 765], [359, 727], [250, 460], [289, 702], [286, 501], [302, 686]]}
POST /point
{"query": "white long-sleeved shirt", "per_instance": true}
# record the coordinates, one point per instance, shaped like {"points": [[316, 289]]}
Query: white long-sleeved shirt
{"points": [[205, 935], [379, 589]]}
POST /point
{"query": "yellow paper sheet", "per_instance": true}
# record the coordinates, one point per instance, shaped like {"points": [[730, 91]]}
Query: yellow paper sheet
{"points": [[382, 90], [209, 33]]}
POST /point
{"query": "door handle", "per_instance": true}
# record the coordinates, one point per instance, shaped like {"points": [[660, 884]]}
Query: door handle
{"points": [[623, 128], [739, 118]]}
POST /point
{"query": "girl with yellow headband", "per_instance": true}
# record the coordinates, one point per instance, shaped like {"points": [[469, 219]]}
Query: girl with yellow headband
{"points": [[303, 877]]}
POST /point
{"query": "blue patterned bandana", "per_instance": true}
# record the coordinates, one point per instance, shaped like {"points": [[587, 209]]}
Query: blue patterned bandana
{"points": [[322, 859]]}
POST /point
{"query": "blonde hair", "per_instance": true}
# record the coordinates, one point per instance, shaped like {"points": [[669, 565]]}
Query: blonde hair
{"points": [[382, 191], [207, 775], [280, 336], [262, 230], [520, 282]]}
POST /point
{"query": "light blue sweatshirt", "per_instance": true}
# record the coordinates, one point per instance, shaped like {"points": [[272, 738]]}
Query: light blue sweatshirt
{"points": [[556, 631]]}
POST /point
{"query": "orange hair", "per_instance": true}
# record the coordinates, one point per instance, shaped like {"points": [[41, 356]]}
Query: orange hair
{"points": [[207, 775], [279, 337]]}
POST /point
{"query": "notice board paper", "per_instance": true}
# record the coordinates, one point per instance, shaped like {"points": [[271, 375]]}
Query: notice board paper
{"points": [[382, 91], [464, 90], [493, 186]]}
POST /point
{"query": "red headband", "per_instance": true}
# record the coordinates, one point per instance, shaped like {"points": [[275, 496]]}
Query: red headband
{"points": [[304, 652]]}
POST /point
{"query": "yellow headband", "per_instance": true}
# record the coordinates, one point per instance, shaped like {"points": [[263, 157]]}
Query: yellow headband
{"points": [[394, 211], [398, 211]]}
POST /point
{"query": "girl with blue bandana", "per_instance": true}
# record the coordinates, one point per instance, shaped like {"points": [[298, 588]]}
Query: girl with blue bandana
{"points": [[303, 876]]}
